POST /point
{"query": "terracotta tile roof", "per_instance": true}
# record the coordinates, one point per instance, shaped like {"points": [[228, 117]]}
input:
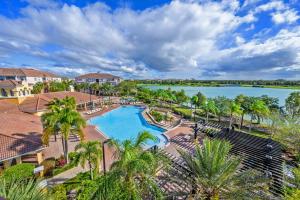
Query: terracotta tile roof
{"points": [[40, 102], [7, 106], [25, 72], [20, 132], [9, 84], [97, 75]]}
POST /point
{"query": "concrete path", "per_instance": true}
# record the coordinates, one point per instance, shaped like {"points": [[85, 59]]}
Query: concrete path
{"points": [[64, 176]]}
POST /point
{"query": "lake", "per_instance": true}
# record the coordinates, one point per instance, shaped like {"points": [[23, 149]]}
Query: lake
{"points": [[230, 92]]}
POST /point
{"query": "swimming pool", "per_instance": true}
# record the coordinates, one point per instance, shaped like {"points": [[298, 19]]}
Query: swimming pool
{"points": [[126, 122]]}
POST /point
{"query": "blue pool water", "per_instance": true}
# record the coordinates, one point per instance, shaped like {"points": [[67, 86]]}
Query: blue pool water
{"points": [[125, 123]]}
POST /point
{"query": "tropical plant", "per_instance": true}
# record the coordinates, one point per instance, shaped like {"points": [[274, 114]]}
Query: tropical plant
{"points": [[133, 172], [181, 97], [62, 119], [222, 106], [89, 152], [209, 107], [37, 88], [214, 173], [244, 102], [292, 104], [292, 191], [15, 189], [194, 102], [257, 109], [288, 134], [20, 171], [234, 110]]}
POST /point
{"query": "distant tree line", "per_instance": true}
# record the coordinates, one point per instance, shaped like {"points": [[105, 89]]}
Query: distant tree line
{"points": [[279, 82]]}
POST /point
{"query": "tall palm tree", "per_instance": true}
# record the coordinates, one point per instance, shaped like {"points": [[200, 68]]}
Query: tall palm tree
{"points": [[62, 119], [214, 173], [89, 152], [258, 109], [19, 190], [194, 102], [234, 110], [209, 107], [134, 170]]}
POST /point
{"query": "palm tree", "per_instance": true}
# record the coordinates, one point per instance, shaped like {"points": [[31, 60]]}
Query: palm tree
{"points": [[209, 107], [243, 101], [222, 106], [19, 190], [90, 152], [257, 110], [134, 170], [214, 173], [194, 102], [62, 119], [234, 109]]}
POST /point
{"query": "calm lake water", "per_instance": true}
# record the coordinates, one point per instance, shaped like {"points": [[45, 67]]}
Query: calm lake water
{"points": [[231, 92]]}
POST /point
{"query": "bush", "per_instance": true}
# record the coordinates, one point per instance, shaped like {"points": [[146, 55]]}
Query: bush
{"points": [[49, 165], [19, 171], [88, 188], [157, 115], [185, 112], [59, 192]]}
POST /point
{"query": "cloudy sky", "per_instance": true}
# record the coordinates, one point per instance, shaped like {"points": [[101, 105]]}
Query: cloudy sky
{"points": [[201, 39]]}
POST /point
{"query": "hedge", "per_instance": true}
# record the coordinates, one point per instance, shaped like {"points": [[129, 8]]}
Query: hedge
{"points": [[185, 112], [19, 171]]}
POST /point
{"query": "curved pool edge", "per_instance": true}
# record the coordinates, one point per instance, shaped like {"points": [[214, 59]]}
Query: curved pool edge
{"points": [[161, 144]]}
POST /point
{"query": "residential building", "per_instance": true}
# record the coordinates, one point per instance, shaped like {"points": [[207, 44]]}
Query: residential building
{"points": [[21, 127], [31, 76], [38, 104], [98, 78], [16, 91]]}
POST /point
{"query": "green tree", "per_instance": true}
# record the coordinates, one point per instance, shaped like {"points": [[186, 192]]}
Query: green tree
{"points": [[37, 88], [258, 109], [62, 119], [214, 173], [234, 110], [201, 99], [132, 175], [195, 103], [209, 107], [292, 104], [181, 97], [15, 189], [244, 102], [222, 106], [89, 152], [288, 134]]}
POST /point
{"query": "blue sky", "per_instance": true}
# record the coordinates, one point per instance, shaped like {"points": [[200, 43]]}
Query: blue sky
{"points": [[201, 39]]}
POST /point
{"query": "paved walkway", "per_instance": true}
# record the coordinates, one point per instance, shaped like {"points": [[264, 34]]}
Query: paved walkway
{"points": [[64, 176]]}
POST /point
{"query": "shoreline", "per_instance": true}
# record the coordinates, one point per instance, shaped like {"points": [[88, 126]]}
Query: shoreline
{"points": [[220, 85]]}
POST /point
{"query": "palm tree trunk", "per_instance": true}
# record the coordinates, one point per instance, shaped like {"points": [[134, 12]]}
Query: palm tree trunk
{"points": [[242, 120], [63, 143], [250, 124], [91, 170], [55, 136], [230, 121], [219, 117], [66, 151]]}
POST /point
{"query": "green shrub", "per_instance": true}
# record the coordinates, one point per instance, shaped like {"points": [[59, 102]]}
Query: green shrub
{"points": [[185, 112], [59, 192], [157, 115], [49, 165], [19, 171], [88, 188]]}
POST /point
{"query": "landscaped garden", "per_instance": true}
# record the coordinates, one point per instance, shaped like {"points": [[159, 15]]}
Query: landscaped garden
{"points": [[213, 172]]}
